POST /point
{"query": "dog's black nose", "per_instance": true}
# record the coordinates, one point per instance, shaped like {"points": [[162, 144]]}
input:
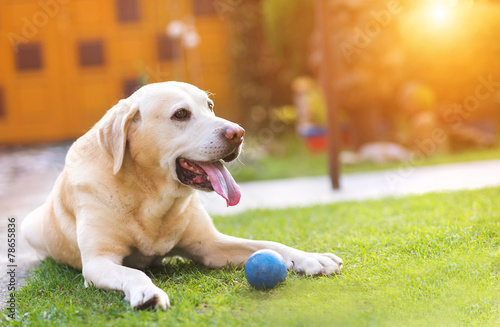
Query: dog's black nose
{"points": [[234, 133]]}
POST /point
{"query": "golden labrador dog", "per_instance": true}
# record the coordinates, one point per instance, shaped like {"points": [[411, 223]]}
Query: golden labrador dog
{"points": [[127, 198]]}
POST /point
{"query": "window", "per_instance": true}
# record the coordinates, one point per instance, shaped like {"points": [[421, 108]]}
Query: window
{"points": [[130, 86], [29, 56], [2, 104], [204, 7], [127, 10], [91, 53], [167, 48]]}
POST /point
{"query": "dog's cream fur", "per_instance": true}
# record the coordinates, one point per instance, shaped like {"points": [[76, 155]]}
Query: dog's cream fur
{"points": [[119, 205]]}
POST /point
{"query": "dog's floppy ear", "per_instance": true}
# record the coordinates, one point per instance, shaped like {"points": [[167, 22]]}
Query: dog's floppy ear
{"points": [[113, 128]]}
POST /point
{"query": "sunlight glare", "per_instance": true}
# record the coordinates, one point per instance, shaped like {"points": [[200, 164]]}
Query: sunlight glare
{"points": [[439, 13]]}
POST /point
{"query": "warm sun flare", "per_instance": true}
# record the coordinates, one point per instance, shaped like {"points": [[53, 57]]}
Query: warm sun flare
{"points": [[440, 13]]}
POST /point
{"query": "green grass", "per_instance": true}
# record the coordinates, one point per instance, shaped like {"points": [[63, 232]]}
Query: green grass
{"points": [[288, 157], [431, 260]]}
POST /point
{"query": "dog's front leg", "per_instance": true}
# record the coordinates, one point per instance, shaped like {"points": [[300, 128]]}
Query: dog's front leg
{"points": [[108, 273], [226, 249], [203, 243]]}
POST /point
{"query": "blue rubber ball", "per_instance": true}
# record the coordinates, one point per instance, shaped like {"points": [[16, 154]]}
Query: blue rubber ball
{"points": [[265, 269]]}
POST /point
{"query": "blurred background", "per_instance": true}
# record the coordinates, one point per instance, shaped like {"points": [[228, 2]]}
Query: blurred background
{"points": [[405, 81]]}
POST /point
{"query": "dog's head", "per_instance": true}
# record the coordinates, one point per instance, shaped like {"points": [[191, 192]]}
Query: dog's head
{"points": [[171, 127]]}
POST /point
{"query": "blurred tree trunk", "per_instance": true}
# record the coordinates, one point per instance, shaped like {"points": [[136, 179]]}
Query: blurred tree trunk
{"points": [[329, 67]]}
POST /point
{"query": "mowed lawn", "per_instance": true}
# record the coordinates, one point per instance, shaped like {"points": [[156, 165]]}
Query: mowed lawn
{"points": [[431, 260]]}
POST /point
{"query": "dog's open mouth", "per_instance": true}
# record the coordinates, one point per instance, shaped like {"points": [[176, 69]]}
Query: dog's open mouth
{"points": [[209, 176]]}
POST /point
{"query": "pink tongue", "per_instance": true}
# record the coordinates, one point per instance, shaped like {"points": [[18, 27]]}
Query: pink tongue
{"points": [[222, 182]]}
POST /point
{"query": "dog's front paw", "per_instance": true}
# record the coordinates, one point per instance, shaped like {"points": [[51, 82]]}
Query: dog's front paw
{"points": [[317, 264], [145, 297]]}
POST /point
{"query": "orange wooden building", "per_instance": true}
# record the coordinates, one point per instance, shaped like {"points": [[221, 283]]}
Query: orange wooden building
{"points": [[63, 63]]}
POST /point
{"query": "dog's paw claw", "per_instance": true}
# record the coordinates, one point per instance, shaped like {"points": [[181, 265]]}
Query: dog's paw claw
{"points": [[150, 297]]}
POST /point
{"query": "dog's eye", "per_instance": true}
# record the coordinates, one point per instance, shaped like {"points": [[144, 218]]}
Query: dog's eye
{"points": [[181, 114], [210, 106]]}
